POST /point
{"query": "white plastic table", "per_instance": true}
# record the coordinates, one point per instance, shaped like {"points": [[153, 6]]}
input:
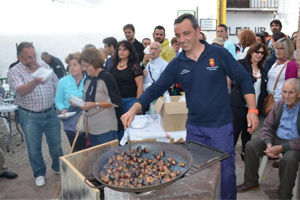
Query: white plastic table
{"points": [[7, 108], [153, 130]]}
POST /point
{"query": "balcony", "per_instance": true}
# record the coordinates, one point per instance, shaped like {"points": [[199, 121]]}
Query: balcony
{"points": [[252, 5]]}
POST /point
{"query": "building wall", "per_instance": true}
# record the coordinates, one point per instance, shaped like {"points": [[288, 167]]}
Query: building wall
{"points": [[288, 12]]}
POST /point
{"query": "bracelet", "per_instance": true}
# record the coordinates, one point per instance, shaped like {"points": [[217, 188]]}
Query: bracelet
{"points": [[97, 105], [253, 110]]}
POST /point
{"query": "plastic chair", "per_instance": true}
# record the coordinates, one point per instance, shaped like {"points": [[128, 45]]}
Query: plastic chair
{"points": [[4, 74], [262, 168]]}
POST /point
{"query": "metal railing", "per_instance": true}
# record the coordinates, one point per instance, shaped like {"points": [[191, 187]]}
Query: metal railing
{"points": [[252, 3], [263, 4]]}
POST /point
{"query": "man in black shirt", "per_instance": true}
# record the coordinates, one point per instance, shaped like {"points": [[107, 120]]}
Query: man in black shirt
{"points": [[55, 63], [110, 45], [129, 32]]}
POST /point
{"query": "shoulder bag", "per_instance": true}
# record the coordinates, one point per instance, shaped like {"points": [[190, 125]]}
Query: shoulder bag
{"points": [[82, 124]]}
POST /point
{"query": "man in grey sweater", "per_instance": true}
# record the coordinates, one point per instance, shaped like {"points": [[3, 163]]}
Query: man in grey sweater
{"points": [[279, 134]]}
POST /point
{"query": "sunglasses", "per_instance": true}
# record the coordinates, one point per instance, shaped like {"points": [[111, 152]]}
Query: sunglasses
{"points": [[260, 52]]}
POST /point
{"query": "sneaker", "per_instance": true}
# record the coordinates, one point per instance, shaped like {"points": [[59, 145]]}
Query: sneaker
{"points": [[40, 181], [55, 172]]}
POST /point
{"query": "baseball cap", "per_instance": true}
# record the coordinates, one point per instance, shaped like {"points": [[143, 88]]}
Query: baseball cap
{"points": [[218, 41]]}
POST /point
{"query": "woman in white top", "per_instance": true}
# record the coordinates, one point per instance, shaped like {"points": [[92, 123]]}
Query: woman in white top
{"points": [[284, 50]]}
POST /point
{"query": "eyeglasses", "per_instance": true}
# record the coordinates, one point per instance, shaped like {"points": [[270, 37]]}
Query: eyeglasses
{"points": [[279, 49], [30, 57], [260, 52], [83, 66]]}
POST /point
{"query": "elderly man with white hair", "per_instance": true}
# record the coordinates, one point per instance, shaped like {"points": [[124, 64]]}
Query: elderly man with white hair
{"points": [[156, 65], [279, 135]]}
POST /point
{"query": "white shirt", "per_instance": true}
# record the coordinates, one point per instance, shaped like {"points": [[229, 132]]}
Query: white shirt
{"points": [[242, 55], [156, 67], [256, 86], [273, 74]]}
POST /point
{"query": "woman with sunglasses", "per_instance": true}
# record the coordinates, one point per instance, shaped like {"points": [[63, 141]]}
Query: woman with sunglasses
{"points": [[253, 63], [285, 65]]}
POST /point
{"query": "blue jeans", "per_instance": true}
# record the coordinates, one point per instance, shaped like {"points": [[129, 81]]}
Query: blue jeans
{"points": [[127, 103], [220, 138], [34, 125], [102, 138]]}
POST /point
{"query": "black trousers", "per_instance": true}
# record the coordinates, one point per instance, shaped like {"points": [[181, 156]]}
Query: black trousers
{"points": [[240, 125], [80, 142], [288, 166]]}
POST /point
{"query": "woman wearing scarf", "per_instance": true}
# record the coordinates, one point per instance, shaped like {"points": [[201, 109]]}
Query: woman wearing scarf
{"points": [[103, 104], [284, 50], [67, 86]]}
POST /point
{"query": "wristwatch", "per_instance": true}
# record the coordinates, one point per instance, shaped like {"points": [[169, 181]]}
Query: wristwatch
{"points": [[97, 103]]}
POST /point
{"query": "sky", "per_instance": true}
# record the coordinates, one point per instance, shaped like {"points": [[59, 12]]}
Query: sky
{"points": [[61, 27]]}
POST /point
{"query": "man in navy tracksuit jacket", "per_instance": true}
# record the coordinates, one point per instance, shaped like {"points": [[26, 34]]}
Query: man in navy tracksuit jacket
{"points": [[202, 71]]}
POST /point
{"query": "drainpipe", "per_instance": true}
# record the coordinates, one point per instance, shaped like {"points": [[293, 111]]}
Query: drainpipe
{"points": [[221, 11]]}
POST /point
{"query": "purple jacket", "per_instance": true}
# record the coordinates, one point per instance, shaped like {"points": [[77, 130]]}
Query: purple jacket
{"points": [[291, 70], [268, 131]]}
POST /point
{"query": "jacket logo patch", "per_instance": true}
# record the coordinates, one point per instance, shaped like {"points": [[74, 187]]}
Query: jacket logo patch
{"points": [[212, 62], [212, 65]]}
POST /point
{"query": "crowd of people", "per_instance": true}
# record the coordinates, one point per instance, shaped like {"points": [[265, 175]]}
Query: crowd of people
{"points": [[225, 85]]}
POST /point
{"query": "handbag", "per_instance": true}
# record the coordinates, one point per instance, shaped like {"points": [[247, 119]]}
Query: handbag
{"points": [[81, 124], [269, 100], [268, 104]]}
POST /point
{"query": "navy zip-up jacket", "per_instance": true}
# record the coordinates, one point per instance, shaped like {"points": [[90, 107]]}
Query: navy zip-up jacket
{"points": [[204, 83]]}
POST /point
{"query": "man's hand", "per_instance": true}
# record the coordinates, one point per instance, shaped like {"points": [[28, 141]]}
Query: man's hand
{"points": [[128, 117], [29, 87], [145, 73], [252, 118], [269, 147], [40, 80], [273, 151], [252, 122]]}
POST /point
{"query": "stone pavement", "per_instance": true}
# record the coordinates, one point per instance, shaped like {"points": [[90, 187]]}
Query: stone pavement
{"points": [[24, 186]]}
